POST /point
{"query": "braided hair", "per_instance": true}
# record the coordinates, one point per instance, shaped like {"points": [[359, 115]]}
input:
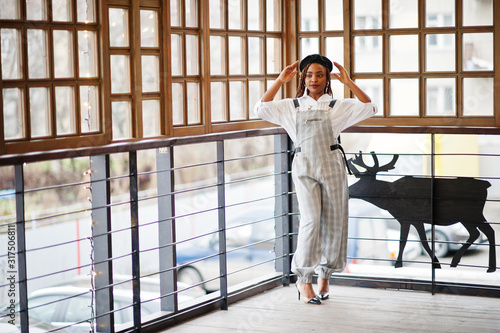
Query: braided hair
{"points": [[302, 82]]}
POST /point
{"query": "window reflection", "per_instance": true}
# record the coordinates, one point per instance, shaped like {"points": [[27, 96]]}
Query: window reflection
{"points": [[478, 52], [440, 97]]}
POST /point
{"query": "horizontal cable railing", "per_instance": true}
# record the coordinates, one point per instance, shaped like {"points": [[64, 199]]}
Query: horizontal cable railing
{"points": [[184, 248]]}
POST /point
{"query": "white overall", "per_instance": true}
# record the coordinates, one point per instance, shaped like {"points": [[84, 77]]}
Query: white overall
{"points": [[319, 175]]}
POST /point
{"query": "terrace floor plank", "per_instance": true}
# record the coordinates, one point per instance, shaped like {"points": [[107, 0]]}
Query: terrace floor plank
{"points": [[351, 309]]}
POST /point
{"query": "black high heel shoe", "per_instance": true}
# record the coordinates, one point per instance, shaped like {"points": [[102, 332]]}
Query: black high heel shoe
{"points": [[314, 300], [323, 296]]}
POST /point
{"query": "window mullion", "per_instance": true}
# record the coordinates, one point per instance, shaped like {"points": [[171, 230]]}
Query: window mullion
{"points": [[205, 85], [136, 70]]}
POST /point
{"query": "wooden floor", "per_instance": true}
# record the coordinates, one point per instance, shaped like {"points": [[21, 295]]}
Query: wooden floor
{"points": [[352, 309]]}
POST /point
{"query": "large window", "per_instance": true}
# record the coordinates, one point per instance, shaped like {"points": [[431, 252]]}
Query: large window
{"points": [[425, 63], [50, 72], [85, 72]]}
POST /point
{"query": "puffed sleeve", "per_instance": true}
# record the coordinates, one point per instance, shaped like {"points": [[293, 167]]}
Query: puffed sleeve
{"points": [[273, 112], [355, 111]]}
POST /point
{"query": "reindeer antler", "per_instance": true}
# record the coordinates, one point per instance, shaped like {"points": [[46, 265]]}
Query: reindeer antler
{"points": [[358, 160]]}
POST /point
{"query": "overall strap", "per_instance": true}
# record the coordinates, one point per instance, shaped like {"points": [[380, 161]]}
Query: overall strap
{"points": [[338, 146], [296, 102]]}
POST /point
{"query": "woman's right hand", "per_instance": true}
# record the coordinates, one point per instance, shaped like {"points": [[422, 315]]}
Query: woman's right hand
{"points": [[288, 73]]}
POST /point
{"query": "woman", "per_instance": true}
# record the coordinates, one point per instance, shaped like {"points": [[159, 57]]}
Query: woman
{"points": [[314, 121]]}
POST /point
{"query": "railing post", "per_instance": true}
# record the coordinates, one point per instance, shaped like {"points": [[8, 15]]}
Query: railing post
{"points": [[166, 228], [101, 219], [21, 248], [433, 227], [134, 233], [282, 205], [221, 202]]}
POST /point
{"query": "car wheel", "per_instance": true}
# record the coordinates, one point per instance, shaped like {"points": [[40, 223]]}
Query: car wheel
{"points": [[441, 247], [189, 275]]}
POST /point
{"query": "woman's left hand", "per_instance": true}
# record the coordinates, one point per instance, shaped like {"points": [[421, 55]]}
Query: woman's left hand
{"points": [[343, 77]]}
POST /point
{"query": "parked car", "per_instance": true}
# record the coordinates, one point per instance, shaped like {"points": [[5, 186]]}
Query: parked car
{"points": [[35, 325], [450, 238], [68, 304], [249, 242]]}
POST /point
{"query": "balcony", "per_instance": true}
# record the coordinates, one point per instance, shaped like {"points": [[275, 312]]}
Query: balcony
{"points": [[143, 236]]}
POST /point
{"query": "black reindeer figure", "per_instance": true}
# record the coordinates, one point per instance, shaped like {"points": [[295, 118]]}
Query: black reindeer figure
{"points": [[408, 200]]}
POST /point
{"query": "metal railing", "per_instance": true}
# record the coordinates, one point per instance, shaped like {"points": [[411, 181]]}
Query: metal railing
{"points": [[140, 222]]}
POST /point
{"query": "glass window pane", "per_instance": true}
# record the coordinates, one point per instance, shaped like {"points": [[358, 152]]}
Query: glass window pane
{"points": [[255, 92], [256, 53], [191, 13], [235, 15], [13, 111], [118, 27], [87, 53], [65, 110], [217, 55], [121, 113], [236, 100], [61, 11], [236, 61], [254, 14], [36, 10], [175, 15], [218, 101], [279, 94], [9, 10], [308, 46], [150, 73], [176, 52], [216, 14], [274, 55], [273, 15], [120, 74], [440, 52], [404, 97], [477, 12], [177, 103], [11, 54], [151, 118], [335, 49], [192, 60], [335, 52], [441, 97], [37, 54], [478, 52], [367, 14], [403, 14], [440, 13], [374, 89], [193, 103], [309, 15], [478, 96], [403, 53], [149, 28], [86, 11], [39, 111], [367, 54], [334, 18], [89, 108], [63, 53]]}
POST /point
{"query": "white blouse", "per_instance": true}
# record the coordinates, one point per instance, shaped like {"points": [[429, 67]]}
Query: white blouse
{"points": [[346, 112]]}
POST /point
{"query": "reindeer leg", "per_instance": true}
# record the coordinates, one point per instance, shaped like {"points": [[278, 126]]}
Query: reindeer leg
{"points": [[425, 244], [490, 234], [474, 234], [405, 229]]}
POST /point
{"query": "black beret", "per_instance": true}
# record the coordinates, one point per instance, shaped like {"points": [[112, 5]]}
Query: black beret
{"points": [[318, 59]]}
